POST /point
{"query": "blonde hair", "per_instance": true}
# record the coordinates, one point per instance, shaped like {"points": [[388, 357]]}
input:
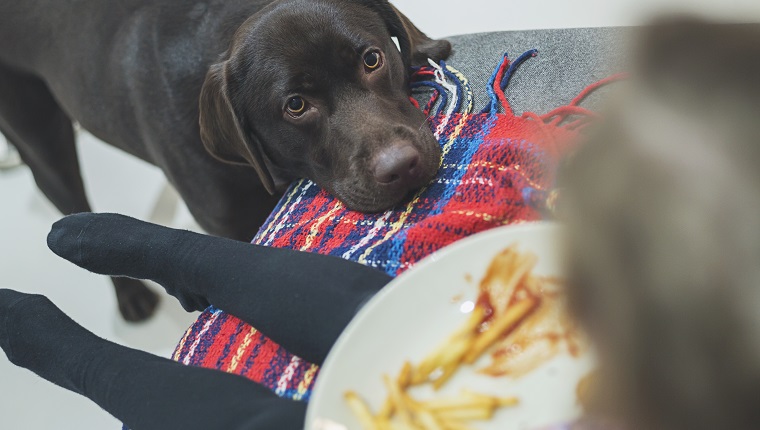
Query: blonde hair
{"points": [[663, 212]]}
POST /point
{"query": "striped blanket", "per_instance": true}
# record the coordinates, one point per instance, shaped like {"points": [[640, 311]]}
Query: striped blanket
{"points": [[497, 168]]}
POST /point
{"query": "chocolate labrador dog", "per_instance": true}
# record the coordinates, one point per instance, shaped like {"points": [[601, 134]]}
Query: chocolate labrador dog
{"points": [[233, 99]]}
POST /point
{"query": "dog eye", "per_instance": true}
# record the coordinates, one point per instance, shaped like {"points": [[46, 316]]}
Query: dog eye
{"points": [[296, 106], [372, 60]]}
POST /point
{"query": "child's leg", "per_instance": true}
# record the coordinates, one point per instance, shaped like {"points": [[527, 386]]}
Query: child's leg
{"points": [[142, 390], [301, 300]]}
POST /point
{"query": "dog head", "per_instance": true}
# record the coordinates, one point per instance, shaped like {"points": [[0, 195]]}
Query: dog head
{"points": [[318, 89]]}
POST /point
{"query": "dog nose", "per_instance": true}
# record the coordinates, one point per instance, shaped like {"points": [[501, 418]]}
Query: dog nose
{"points": [[397, 165]]}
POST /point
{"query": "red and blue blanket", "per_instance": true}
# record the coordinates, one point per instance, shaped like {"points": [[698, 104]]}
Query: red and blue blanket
{"points": [[497, 168]]}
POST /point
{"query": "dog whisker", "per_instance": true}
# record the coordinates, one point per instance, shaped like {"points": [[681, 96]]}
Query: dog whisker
{"points": [[425, 122]]}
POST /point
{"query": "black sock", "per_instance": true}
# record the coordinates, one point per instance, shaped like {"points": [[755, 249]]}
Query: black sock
{"points": [[117, 245], [21, 330], [301, 300], [142, 390]]}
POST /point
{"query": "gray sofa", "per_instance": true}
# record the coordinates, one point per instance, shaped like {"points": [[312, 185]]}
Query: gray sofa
{"points": [[568, 61]]}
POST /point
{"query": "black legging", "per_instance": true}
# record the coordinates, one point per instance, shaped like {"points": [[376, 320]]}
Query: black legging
{"points": [[301, 300]]}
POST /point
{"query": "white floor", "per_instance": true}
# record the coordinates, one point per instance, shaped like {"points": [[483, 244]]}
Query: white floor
{"points": [[118, 183]]}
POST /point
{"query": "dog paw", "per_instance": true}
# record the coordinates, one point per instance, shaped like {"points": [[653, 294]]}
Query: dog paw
{"points": [[136, 301]]}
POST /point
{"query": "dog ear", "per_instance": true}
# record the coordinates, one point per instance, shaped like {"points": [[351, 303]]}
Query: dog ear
{"points": [[416, 46], [221, 131], [421, 47]]}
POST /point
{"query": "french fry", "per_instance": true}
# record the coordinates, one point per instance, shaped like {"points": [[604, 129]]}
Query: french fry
{"points": [[382, 423], [404, 380], [400, 425], [405, 376], [386, 411], [454, 403], [514, 295], [524, 265], [450, 359], [473, 321], [500, 326], [427, 420], [423, 417], [585, 390], [482, 413], [398, 399], [460, 402], [506, 273], [448, 371], [500, 402], [450, 424], [442, 355], [360, 410], [429, 364]]}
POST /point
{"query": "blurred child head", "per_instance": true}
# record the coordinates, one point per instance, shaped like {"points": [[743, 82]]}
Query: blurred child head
{"points": [[663, 210]]}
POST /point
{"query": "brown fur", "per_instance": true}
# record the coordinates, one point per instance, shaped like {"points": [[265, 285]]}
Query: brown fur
{"points": [[183, 85]]}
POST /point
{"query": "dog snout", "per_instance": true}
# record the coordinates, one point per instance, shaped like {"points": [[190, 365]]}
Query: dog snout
{"points": [[398, 165]]}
